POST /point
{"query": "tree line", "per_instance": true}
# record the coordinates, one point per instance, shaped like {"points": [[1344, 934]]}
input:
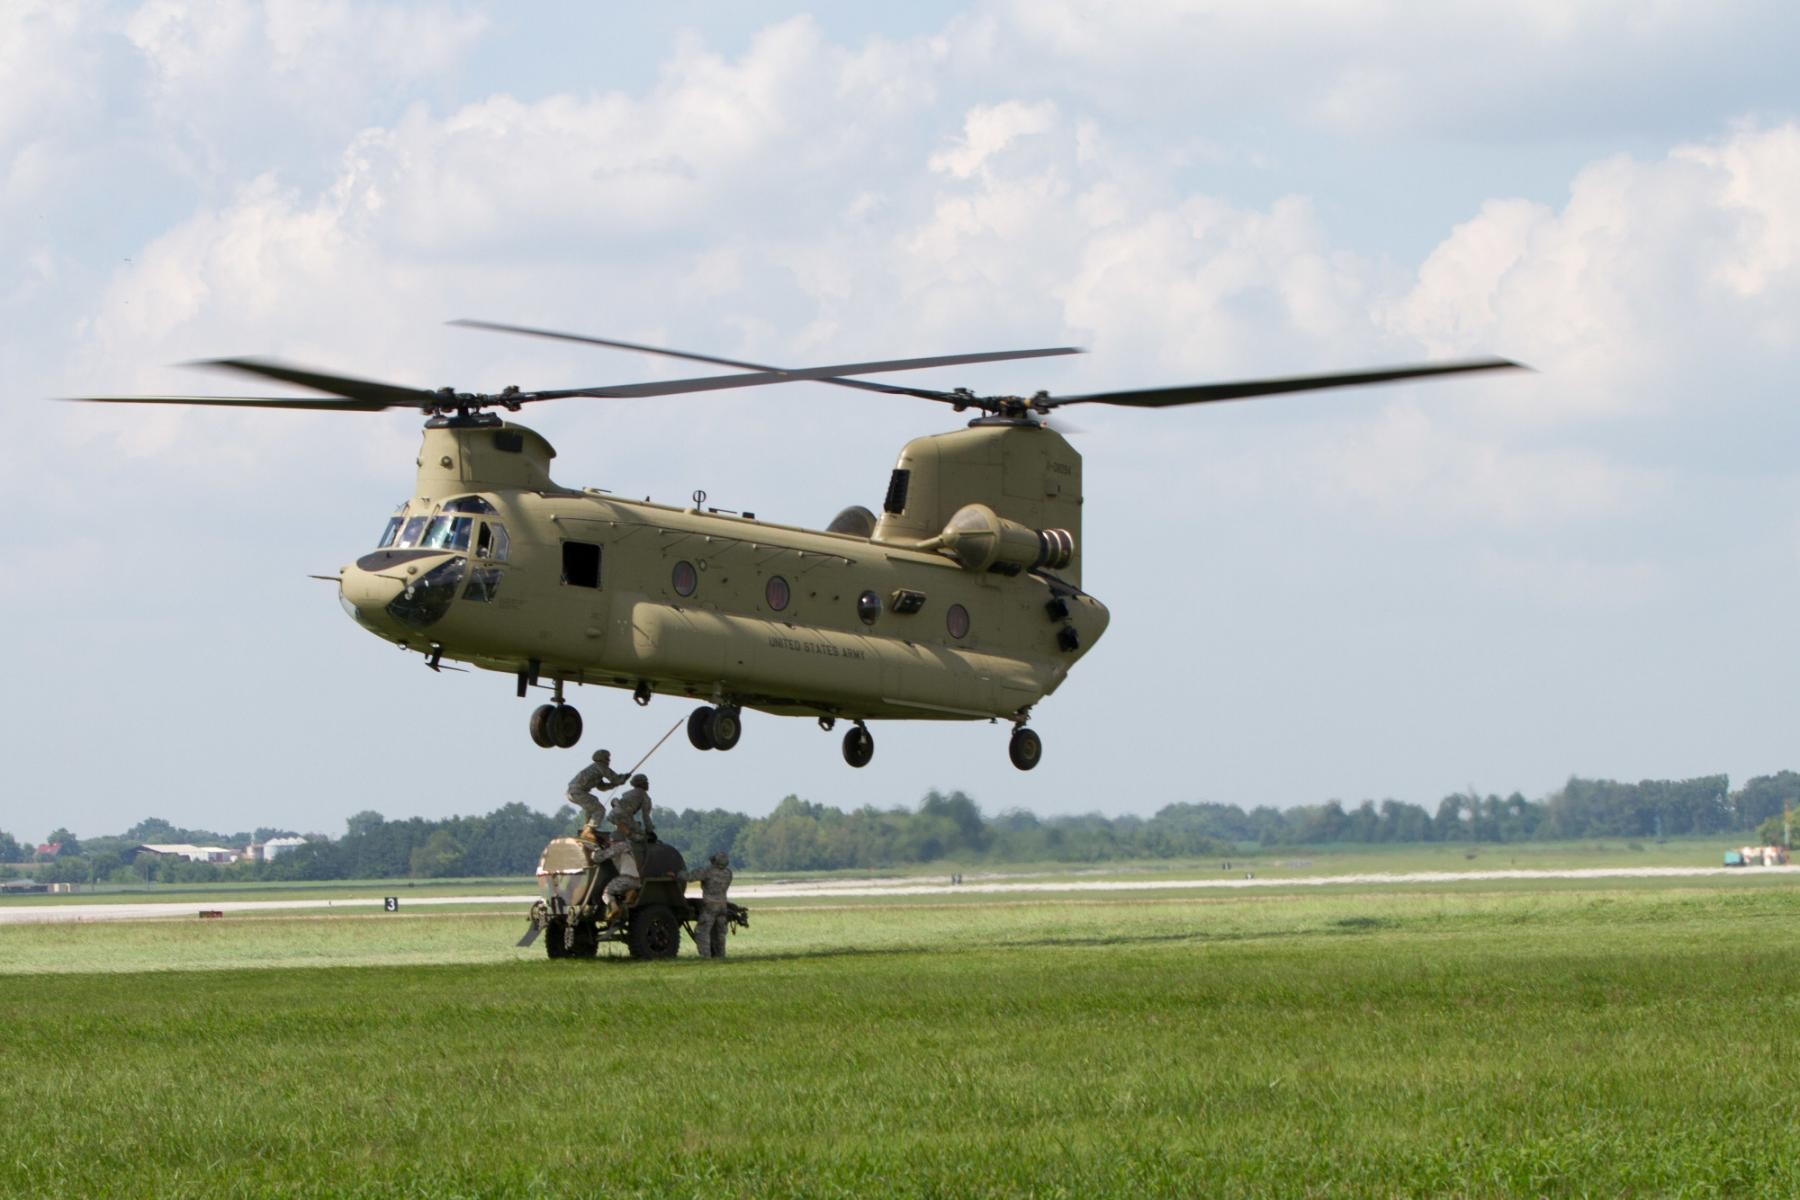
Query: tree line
{"points": [[801, 835]]}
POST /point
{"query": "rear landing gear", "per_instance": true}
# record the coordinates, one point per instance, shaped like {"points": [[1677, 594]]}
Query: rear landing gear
{"points": [[859, 745], [1025, 749], [710, 728], [556, 725], [726, 727]]}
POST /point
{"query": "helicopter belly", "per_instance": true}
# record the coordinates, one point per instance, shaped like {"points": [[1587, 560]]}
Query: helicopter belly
{"points": [[791, 667]]}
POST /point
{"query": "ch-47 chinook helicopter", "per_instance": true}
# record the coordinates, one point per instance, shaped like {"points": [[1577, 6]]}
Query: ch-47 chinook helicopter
{"points": [[961, 600]]}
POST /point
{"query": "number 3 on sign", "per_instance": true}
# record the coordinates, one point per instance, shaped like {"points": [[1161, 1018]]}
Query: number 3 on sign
{"points": [[391, 903]]}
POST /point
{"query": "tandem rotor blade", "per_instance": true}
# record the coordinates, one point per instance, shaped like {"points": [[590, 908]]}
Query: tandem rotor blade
{"points": [[364, 391], [298, 402], [1209, 393], [833, 375]]}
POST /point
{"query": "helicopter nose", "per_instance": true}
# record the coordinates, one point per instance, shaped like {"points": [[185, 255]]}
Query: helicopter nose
{"points": [[365, 595], [401, 591]]}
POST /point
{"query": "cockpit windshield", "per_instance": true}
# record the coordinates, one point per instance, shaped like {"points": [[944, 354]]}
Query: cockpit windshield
{"points": [[409, 534], [447, 530], [447, 533], [467, 504]]}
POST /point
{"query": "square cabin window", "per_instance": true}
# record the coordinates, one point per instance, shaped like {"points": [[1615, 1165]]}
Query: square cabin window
{"points": [[581, 564]]}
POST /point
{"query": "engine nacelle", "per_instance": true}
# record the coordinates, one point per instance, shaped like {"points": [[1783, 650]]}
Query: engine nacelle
{"points": [[983, 540]]}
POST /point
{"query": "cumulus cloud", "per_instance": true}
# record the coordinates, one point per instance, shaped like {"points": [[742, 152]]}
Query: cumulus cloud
{"points": [[1383, 70], [988, 129], [1647, 269]]}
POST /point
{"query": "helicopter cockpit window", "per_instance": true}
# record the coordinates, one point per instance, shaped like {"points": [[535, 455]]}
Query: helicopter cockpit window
{"points": [[492, 543], [390, 533], [483, 583], [448, 533], [467, 504], [411, 532]]}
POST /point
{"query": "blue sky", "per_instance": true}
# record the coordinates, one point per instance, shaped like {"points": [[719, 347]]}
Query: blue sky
{"points": [[1394, 592]]}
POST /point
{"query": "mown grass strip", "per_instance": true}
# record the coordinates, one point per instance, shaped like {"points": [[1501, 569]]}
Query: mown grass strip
{"points": [[1616, 1043]]}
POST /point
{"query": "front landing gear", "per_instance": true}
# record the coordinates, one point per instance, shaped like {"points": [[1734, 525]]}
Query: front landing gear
{"points": [[1025, 749], [710, 728], [859, 745], [556, 725]]}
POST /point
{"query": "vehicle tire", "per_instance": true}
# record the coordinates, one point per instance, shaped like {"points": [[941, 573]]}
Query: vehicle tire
{"points": [[726, 726], [654, 933], [565, 726], [587, 940], [1026, 749], [859, 746], [553, 938], [700, 727], [541, 731]]}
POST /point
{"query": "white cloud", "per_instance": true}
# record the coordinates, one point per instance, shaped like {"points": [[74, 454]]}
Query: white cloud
{"points": [[1387, 69], [1647, 271], [41, 59], [989, 129]]}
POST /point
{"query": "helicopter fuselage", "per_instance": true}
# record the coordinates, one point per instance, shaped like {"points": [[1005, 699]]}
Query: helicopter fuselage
{"points": [[492, 564]]}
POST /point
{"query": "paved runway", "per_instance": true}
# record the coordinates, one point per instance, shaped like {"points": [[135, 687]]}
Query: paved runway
{"points": [[13, 912]]}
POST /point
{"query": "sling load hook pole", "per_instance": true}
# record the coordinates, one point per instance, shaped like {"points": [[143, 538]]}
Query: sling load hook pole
{"points": [[665, 737]]}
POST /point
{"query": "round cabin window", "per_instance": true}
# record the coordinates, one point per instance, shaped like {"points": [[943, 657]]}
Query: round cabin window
{"points": [[777, 593], [685, 578], [956, 620], [868, 607]]}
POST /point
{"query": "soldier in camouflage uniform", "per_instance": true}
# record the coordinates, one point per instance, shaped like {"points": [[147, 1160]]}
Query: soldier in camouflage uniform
{"points": [[629, 807], [618, 892], [714, 880], [598, 774]]}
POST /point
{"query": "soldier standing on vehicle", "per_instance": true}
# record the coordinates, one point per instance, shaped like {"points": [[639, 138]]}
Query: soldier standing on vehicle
{"points": [[710, 929], [619, 891], [597, 774], [631, 810]]}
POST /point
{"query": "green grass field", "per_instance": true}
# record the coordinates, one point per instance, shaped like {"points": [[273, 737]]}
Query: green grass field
{"points": [[1600, 1040]]}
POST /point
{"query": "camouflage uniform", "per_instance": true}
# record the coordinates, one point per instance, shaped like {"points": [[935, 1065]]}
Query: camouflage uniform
{"points": [[627, 880], [629, 806], [597, 774], [710, 929]]}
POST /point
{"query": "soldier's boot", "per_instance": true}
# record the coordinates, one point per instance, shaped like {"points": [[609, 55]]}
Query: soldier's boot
{"points": [[612, 911]]}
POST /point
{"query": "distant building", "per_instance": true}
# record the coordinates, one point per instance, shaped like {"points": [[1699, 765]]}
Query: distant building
{"points": [[48, 851], [201, 854], [275, 847]]}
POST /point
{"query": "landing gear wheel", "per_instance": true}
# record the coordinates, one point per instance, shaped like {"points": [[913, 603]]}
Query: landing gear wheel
{"points": [[541, 732], [553, 935], [726, 726], [654, 933], [565, 726], [859, 746], [700, 727], [1025, 749]]}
